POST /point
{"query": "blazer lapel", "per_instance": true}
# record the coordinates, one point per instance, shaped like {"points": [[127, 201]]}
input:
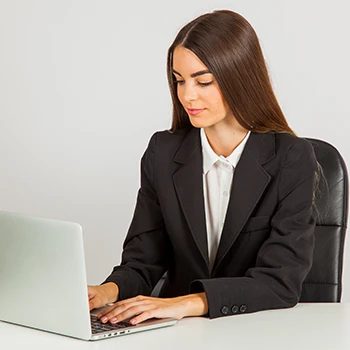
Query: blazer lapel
{"points": [[188, 182], [249, 182]]}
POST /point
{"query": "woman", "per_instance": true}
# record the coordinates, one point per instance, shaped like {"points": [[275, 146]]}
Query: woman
{"points": [[226, 196]]}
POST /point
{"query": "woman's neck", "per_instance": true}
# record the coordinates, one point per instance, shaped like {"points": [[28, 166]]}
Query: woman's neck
{"points": [[224, 139]]}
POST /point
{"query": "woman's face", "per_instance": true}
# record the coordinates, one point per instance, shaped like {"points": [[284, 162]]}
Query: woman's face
{"points": [[198, 90]]}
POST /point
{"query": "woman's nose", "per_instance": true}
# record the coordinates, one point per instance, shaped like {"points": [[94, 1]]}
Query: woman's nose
{"points": [[190, 94]]}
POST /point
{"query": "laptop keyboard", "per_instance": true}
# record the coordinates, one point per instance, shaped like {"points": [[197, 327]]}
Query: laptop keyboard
{"points": [[98, 327]]}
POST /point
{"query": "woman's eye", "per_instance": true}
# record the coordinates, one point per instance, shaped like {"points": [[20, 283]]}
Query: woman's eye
{"points": [[181, 82], [205, 84]]}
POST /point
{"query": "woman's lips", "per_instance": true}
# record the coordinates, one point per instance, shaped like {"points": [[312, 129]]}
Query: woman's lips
{"points": [[194, 111]]}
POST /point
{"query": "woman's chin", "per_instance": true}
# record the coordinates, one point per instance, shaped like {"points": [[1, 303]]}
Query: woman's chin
{"points": [[198, 122]]}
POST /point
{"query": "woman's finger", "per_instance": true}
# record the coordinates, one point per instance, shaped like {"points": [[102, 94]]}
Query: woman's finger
{"points": [[132, 311], [146, 315], [116, 310], [105, 311]]}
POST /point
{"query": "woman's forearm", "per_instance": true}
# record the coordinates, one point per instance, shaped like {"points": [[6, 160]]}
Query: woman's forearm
{"points": [[195, 304]]}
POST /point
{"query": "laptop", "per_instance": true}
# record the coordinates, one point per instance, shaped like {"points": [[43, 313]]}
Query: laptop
{"points": [[43, 281]]}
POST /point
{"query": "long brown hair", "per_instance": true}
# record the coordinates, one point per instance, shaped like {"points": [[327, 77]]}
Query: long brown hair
{"points": [[227, 44]]}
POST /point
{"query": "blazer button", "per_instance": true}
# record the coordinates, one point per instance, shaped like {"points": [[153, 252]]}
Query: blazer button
{"points": [[225, 310], [234, 309], [243, 308]]}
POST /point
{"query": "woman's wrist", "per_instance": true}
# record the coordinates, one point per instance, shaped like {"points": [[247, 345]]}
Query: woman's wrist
{"points": [[195, 304], [112, 292]]}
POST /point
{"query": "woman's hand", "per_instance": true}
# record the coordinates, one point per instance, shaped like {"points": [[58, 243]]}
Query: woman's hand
{"points": [[148, 307], [101, 295]]}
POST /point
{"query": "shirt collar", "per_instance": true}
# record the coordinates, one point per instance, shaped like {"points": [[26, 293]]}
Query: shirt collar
{"points": [[210, 157]]}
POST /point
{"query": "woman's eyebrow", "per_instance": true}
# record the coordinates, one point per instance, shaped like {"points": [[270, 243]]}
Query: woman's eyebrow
{"points": [[193, 75]]}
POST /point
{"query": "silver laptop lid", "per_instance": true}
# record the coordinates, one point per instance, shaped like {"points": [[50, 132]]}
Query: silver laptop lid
{"points": [[42, 275]]}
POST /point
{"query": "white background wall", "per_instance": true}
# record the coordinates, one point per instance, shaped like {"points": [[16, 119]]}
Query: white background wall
{"points": [[83, 86]]}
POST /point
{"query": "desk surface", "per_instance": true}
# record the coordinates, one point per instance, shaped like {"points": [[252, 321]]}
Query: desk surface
{"points": [[306, 326]]}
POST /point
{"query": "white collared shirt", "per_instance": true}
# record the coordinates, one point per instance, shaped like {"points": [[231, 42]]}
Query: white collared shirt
{"points": [[217, 180]]}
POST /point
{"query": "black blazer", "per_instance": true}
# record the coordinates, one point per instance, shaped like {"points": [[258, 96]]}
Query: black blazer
{"points": [[267, 242]]}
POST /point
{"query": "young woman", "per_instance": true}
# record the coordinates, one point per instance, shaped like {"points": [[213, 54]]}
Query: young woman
{"points": [[226, 196]]}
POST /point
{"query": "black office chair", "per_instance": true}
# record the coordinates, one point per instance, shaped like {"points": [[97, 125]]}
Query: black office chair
{"points": [[324, 281]]}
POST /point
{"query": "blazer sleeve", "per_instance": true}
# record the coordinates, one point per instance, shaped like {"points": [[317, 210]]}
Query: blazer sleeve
{"points": [[146, 249], [285, 258]]}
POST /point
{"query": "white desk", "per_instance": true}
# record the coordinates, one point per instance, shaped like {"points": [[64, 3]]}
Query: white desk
{"points": [[307, 326]]}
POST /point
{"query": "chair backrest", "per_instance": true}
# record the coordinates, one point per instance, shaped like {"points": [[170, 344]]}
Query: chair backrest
{"points": [[324, 281]]}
